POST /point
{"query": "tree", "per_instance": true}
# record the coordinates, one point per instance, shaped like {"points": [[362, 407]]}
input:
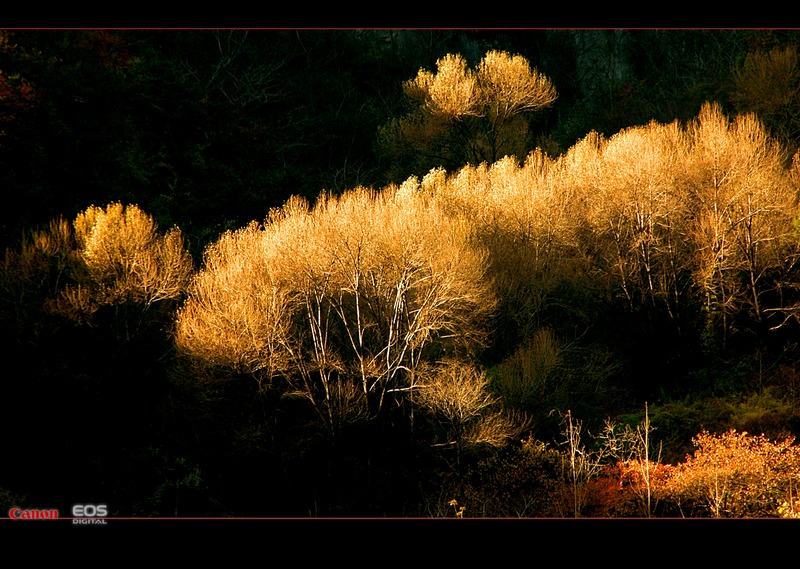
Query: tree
{"points": [[742, 203], [636, 465], [580, 464], [460, 115], [108, 256], [341, 303], [85, 312], [636, 214], [526, 215], [120, 257], [684, 216]]}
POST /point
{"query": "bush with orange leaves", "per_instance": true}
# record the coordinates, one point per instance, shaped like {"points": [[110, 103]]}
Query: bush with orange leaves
{"points": [[735, 475], [619, 490]]}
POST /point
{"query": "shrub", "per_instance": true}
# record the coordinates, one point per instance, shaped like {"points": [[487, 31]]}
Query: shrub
{"points": [[735, 475], [522, 480]]}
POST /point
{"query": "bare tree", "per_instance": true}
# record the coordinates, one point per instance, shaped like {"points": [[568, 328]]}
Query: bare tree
{"points": [[631, 446], [580, 464]]}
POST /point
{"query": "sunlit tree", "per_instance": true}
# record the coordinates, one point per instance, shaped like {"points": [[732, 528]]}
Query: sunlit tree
{"points": [[742, 206], [33, 274], [342, 302], [85, 310], [120, 257], [460, 115], [107, 256], [527, 218], [462, 409], [637, 215], [638, 466]]}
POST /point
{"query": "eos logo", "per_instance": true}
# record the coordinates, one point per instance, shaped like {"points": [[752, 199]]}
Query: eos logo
{"points": [[88, 513]]}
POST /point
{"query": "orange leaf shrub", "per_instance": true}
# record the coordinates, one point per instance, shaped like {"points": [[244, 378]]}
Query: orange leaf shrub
{"points": [[735, 475]]}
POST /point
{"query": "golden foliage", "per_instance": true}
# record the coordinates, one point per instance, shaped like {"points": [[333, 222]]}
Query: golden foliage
{"points": [[120, 257], [509, 85], [636, 212], [457, 391], [235, 314], [452, 91], [456, 395], [662, 213], [501, 86], [108, 256], [31, 275], [461, 115], [743, 204], [670, 215], [527, 223]]}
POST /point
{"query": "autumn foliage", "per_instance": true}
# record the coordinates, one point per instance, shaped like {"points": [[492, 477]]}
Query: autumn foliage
{"points": [[688, 221], [735, 475]]}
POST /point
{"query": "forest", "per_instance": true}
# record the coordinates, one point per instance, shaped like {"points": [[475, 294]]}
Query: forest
{"points": [[421, 273]]}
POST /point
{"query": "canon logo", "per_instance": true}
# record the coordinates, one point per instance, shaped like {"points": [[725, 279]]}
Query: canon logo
{"points": [[20, 514]]}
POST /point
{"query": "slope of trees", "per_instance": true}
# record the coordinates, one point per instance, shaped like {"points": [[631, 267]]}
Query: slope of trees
{"points": [[371, 312], [475, 340]]}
